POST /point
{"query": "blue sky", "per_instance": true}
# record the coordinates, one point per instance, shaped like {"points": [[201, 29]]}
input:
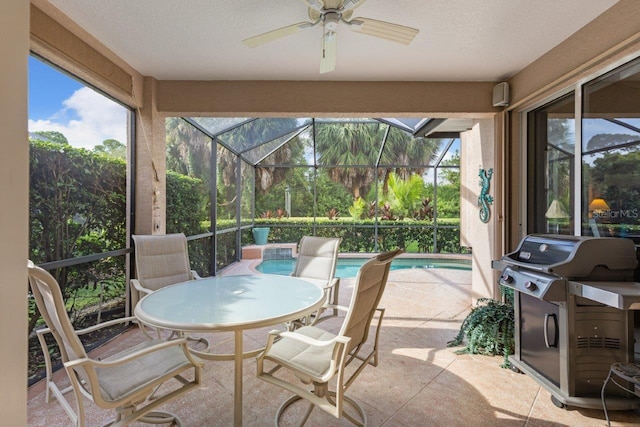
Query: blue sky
{"points": [[60, 103]]}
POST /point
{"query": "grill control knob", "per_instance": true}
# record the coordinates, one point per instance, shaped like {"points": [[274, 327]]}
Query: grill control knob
{"points": [[530, 286], [506, 278]]}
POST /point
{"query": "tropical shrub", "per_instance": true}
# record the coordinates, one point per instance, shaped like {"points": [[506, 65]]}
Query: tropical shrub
{"points": [[357, 209], [489, 328]]}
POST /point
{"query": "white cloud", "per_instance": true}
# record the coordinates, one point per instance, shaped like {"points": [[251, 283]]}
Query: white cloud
{"points": [[98, 118]]}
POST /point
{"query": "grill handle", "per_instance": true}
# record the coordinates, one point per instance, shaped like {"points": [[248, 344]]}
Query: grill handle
{"points": [[546, 330]]}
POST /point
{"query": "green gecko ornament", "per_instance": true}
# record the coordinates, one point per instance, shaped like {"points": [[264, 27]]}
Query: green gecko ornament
{"points": [[485, 199]]}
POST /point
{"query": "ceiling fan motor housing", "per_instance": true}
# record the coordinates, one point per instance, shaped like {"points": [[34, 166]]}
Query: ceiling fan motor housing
{"points": [[331, 20]]}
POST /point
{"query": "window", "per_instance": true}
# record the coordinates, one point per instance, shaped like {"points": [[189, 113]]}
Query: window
{"points": [[78, 194], [551, 167], [611, 154]]}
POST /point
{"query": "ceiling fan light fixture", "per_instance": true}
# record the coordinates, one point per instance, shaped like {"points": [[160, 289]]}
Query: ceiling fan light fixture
{"points": [[331, 20]]}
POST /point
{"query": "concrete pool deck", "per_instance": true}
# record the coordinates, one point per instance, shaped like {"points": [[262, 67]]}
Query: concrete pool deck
{"points": [[419, 381]]}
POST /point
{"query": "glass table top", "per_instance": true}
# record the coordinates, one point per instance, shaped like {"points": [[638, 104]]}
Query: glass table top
{"points": [[229, 302]]}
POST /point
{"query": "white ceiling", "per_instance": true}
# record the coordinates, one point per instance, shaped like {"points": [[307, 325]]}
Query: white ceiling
{"points": [[459, 40]]}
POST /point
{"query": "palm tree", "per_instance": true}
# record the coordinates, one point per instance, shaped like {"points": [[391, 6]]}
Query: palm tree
{"points": [[407, 155], [349, 145], [188, 149], [254, 134]]}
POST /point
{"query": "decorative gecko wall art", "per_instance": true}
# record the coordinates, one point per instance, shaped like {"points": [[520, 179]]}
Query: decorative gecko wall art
{"points": [[485, 199]]}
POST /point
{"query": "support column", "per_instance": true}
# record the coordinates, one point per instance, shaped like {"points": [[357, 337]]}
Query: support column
{"points": [[478, 157], [14, 215], [150, 190]]}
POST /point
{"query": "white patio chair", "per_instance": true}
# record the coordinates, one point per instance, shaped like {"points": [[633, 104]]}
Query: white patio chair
{"points": [[317, 259], [161, 260], [123, 381], [318, 357]]}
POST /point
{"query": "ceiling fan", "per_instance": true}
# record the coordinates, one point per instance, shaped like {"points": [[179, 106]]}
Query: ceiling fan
{"points": [[331, 13]]}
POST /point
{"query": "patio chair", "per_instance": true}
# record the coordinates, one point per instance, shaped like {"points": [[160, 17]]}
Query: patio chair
{"points": [[161, 260], [318, 357], [317, 258], [123, 381]]}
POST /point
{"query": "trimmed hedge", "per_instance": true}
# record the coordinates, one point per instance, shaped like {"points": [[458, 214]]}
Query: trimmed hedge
{"points": [[360, 236]]}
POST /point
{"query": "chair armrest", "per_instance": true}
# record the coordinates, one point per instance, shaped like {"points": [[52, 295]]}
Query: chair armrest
{"points": [[99, 326], [138, 287], [333, 283], [130, 356], [195, 275], [336, 307], [314, 342]]}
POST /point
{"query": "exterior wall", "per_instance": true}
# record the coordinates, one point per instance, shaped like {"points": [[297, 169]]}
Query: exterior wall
{"points": [[608, 41], [610, 37], [478, 151], [14, 191]]}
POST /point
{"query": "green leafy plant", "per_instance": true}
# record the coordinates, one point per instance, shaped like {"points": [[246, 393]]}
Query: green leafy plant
{"points": [[356, 210], [488, 329]]}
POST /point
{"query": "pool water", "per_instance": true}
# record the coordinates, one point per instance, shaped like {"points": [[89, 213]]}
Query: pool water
{"points": [[348, 267]]}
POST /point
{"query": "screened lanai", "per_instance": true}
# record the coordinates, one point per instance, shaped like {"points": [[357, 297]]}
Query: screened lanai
{"points": [[375, 183]]}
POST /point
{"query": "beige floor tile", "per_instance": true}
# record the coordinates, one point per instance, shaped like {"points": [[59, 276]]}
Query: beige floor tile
{"points": [[419, 380]]}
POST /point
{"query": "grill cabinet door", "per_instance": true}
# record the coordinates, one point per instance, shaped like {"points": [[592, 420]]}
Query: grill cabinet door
{"points": [[539, 334]]}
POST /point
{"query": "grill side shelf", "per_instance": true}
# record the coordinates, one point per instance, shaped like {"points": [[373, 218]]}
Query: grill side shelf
{"points": [[620, 295]]}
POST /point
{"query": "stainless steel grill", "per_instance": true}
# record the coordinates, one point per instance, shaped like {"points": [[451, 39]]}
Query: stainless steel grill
{"points": [[573, 305]]}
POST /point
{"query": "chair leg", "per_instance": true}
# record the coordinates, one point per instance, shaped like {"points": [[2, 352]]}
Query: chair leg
{"points": [[287, 403], [330, 396], [355, 406], [126, 417], [604, 404]]}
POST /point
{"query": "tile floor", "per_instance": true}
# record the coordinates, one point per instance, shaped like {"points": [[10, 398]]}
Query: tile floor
{"points": [[419, 381]]}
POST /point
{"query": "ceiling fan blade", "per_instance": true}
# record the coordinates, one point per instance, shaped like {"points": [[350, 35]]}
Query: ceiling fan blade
{"points": [[270, 36], [332, 4], [383, 29], [329, 50], [352, 4], [314, 4]]}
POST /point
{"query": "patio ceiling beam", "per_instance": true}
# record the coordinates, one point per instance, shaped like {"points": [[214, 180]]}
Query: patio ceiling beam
{"points": [[326, 99]]}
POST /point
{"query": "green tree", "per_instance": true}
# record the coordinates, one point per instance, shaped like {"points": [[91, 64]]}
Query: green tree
{"points": [[112, 148], [616, 177], [407, 155], [77, 207], [331, 195], [188, 150], [350, 144], [50, 136]]}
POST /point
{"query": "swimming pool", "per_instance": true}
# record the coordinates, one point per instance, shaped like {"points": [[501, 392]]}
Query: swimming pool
{"points": [[348, 267]]}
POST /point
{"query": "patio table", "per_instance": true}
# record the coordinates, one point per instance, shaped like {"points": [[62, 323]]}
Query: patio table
{"points": [[230, 303]]}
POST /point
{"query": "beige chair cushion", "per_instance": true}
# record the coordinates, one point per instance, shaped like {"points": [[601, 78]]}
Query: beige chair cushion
{"points": [[162, 260], [120, 381], [312, 360], [317, 258]]}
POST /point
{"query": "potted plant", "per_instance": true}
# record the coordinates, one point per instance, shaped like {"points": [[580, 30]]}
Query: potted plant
{"points": [[260, 235], [489, 328]]}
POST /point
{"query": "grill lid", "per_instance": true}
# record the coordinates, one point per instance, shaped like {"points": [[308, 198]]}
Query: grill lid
{"points": [[576, 257]]}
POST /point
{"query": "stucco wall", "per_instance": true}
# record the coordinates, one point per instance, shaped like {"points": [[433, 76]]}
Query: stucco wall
{"points": [[14, 191], [478, 151]]}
